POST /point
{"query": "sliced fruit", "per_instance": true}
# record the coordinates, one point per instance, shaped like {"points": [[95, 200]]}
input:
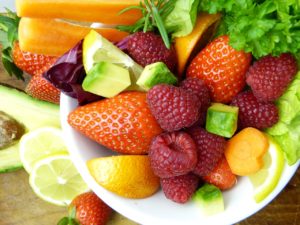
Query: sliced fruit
{"points": [[187, 46], [55, 37], [39, 144], [10, 159], [244, 152], [156, 73], [266, 179], [90, 10], [222, 119], [106, 79], [56, 180], [96, 49], [209, 199], [127, 176]]}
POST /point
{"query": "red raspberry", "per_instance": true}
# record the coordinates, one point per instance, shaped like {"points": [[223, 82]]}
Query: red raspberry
{"points": [[210, 148], [174, 108], [253, 113], [181, 188], [147, 48], [172, 154], [270, 76], [199, 88]]}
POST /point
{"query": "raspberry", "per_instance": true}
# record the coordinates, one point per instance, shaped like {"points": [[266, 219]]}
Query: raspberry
{"points": [[147, 48], [172, 154], [270, 76], [253, 113], [173, 107], [199, 88], [180, 189], [210, 148]]}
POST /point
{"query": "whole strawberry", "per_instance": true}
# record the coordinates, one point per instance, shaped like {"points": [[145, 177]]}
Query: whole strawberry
{"points": [[87, 209], [123, 123], [147, 48], [269, 76], [222, 68], [38, 87]]}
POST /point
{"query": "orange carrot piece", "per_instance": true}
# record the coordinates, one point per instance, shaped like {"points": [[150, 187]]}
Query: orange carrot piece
{"points": [[54, 37], [244, 152], [104, 11]]}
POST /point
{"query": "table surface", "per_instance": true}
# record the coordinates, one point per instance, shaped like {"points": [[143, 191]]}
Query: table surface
{"points": [[20, 206]]}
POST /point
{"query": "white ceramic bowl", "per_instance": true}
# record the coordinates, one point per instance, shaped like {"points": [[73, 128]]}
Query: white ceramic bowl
{"points": [[156, 209]]}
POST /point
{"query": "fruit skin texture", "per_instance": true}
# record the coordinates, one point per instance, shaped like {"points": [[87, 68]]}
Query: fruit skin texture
{"points": [[31, 63], [210, 149], [38, 87], [221, 176], [129, 176], [174, 108], [180, 188], [172, 154], [123, 123], [253, 113], [269, 76], [90, 209], [147, 48], [222, 68]]}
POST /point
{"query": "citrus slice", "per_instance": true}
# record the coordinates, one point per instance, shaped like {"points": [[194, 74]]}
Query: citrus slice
{"points": [[40, 143], [129, 176], [266, 179], [56, 180]]}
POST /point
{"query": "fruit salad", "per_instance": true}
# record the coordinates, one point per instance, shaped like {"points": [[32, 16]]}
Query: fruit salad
{"points": [[190, 94]]}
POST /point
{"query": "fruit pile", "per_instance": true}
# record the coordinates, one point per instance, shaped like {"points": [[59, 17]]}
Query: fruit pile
{"points": [[188, 114]]}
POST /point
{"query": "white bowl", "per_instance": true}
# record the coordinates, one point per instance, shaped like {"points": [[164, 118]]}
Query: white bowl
{"points": [[239, 202]]}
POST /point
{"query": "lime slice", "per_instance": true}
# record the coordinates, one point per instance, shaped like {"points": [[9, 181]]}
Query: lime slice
{"points": [[40, 143], [266, 179], [56, 180]]}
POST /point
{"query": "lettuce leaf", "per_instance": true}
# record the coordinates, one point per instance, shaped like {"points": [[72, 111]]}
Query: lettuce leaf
{"points": [[180, 22]]}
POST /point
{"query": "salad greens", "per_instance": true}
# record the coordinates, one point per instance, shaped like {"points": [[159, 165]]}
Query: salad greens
{"points": [[180, 22], [287, 131], [261, 27]]}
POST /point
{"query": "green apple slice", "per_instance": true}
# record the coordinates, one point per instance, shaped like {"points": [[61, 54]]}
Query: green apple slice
{"points": [[266, 179]]}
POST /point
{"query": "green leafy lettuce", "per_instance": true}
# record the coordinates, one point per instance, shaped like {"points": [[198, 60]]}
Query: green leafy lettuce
{"points": [[261, 27], [180, 22], [287, 130]]}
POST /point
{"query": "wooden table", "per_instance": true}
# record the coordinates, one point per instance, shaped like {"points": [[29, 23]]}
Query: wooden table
{"points": [[19, 205]]}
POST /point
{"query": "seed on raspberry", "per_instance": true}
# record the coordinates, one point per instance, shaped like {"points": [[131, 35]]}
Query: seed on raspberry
{"points": [[253, 113], [270, 76], [172, 154], [174, 108], [180, 188], [210, 148]]}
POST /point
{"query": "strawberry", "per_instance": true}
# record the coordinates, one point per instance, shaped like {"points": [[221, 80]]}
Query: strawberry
{"points": [[221, 176], [87, 209], [123, 123], [222, 68], [38, 87]]}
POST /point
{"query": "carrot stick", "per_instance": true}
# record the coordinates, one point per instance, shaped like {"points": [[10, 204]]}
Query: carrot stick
{"points": [[104, 11], [54, 37]]}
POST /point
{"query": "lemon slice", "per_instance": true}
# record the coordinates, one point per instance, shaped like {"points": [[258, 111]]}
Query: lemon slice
{"points": [[40, 143], [266, 179], [56, 180]]}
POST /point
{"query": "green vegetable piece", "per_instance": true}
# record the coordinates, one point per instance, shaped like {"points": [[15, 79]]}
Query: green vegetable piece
{"points": [[222, 119], [210, 199], [156, 73], [106, 79]]}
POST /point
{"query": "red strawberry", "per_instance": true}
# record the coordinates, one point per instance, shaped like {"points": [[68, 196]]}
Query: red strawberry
{"points": [[147, 48], [87, 209], [38, 87], [31, 63], [221, 176], [222, 68], [123, 123]]}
